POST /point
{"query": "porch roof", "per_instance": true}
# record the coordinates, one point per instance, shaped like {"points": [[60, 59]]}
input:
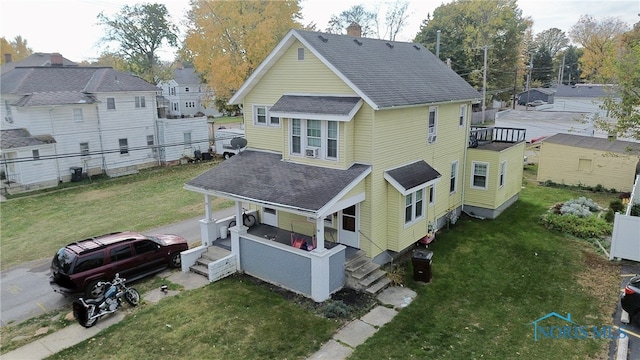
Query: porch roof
{"points": [[341, 108], [263, 177], [412, 177]]}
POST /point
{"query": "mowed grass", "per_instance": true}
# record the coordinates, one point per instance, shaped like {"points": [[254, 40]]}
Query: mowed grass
{"points": [[229, 319], [35, 227]]}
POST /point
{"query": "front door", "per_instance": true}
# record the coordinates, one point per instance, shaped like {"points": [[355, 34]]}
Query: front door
{"points": [[348, 231], [270, 216]]}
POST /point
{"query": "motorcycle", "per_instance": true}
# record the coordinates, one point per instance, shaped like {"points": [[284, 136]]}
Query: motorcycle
{"points": [[88, 311]]}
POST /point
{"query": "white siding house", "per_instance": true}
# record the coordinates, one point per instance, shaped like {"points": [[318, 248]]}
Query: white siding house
{"points": [[186, 95]]}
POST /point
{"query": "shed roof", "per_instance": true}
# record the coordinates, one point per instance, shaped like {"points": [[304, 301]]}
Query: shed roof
{"points": [[412, 176], [17, 138], [595, 143], [299, 106]]}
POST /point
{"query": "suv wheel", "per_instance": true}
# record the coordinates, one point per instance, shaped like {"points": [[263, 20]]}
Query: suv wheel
{"points": [[94, 291], [175, 261]]}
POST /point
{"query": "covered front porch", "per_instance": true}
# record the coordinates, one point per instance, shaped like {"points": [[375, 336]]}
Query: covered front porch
{"points": [[302, 236]]}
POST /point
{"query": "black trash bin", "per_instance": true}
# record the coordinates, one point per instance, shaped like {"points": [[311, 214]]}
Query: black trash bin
{"points": [[421, 261], [76, 173]]}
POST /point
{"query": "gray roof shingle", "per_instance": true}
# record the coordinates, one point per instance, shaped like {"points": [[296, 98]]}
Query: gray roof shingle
{"points": [[265, 178], [414, 174], [17, 138], [595, 143], [328, 105]]}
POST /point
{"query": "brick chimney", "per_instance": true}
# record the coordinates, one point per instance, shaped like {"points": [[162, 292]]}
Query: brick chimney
{"points": [[56, 59], [179, 65], [354, 30], [7, 58]]}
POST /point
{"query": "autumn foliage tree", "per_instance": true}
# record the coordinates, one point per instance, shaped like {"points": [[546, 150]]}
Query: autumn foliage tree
{"points": [[17, 47], [229, 39]]}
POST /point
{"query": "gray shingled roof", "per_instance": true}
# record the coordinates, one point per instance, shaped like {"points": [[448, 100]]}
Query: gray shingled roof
{"points": [[55, 98], [264, 177], [329, 105], [17, 138], [35, 59], [414, 174], [67, 80], [595, 143], [186, 76], [391, 73], [586, 91]]}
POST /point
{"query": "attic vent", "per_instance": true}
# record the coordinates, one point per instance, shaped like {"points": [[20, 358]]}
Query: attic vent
{"points": [[390, 46], [357, 42], [417, 47], [323, 39]]}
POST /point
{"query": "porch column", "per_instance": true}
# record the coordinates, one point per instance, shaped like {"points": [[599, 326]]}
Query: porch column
{"points": [[236, 232], [320, 233], [320, 276], [208, 227]]}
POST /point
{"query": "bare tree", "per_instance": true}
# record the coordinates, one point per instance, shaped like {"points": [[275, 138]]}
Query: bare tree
{"points": [[395, 18]]}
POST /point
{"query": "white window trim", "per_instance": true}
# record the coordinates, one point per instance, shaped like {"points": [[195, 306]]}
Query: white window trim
{"points": [[455, 176], [78, 116], [503, 174], [413, 208], [114, 104], [432, 135], [82, 153], [301, 54], [187, 144], [324, 133], [126, 147], [473, 173], [462, 117], [267, 117], [432, 199]]}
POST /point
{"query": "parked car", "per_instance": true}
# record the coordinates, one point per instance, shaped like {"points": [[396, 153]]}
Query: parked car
{"points": [[80, 266], [536, 103], [630, 300]]}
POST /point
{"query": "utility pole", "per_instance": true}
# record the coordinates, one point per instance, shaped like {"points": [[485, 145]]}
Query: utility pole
{"points": [[484, 82], [515, 82], [528, 82], [561, 71], [438, 44]]}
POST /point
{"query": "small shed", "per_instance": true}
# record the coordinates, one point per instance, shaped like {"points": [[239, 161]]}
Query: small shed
{"points": [[589, 161], [543, 94]]}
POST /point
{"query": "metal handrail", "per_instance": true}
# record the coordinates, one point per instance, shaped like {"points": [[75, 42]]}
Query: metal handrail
{"points": [[376, 245]]}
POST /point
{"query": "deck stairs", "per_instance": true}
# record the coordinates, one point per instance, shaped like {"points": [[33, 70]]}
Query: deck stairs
{"points": [[213, 254], [362, 274]]}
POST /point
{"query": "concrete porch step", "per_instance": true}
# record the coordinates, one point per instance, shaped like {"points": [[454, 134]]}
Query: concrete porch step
{"points": [[372, 278], [214, 253], [200, 269], [378, 286], [365, 270], [357, 263]]}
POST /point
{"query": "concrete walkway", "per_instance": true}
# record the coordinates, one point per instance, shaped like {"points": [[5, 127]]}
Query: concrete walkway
{"points": [[342, 344]]}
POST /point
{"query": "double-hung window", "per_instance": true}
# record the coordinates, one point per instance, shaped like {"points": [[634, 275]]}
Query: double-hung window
{"points": [[111, 103], [479, 172], [314, 138], [433, 125], [503, 173], [463, 115], [261, 116], [84, 148], [77, 115], [187, 139], [413, 206], [124, 146], [453, 182], [140, 102]]}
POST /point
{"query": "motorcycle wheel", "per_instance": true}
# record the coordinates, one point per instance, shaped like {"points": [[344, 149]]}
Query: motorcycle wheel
{"points": [[91, 311], [132, 296]]}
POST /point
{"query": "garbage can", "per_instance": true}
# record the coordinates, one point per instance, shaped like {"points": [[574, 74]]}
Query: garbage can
{"points": [[76, 173], [421, 261], [223, 231]]}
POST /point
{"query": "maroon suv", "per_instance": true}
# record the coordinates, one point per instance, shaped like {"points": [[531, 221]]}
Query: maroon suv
{"points": [[78, 267]]}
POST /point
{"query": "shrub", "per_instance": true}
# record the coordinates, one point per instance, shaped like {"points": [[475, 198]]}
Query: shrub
{"points": [[581, 206], [616, 206], [336, 309], [609, 216], [581, 227], [396, 274], [599, 188]]}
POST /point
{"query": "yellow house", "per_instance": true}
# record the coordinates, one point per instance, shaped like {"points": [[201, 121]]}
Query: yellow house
{"points": [[361, 147], [589, 161]]}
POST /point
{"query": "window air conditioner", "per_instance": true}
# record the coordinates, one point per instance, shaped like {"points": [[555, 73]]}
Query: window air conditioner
{"points": [[312, 152], [432, 138]]}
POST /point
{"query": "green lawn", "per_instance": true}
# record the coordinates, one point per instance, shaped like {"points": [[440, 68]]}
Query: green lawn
{"points": [[492, 278]]}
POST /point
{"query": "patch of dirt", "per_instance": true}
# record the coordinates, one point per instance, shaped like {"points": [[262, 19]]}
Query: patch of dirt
{"points": [[93, 195], [602, 279]]}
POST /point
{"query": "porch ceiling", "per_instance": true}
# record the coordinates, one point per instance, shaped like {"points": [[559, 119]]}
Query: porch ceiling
{"points": [[262, 177]]}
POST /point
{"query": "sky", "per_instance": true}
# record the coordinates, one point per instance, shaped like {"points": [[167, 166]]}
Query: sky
{"points": [[70, 26]]}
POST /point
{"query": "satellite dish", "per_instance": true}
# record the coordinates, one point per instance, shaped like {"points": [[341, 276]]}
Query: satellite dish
{"points": [[238, 143]]}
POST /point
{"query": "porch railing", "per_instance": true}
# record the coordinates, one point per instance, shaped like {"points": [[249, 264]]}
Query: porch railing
{"points": [[485, 135]]}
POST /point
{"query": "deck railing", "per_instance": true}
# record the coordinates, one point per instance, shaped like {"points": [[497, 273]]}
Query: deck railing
{"points": [[485, 135]]}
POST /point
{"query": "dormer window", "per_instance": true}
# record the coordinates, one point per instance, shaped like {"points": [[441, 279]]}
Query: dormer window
{"points": [[300, 54]]}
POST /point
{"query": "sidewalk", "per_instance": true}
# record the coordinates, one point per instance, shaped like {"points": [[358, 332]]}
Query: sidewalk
{"points": [[341, 346]]}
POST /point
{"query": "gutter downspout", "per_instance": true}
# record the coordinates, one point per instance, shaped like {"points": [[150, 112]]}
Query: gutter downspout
{"points": [[104, 161], [466, 150], [55, 144]]}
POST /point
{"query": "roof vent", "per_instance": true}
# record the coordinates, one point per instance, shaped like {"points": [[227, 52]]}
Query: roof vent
{"points": [[323, 39], [357, 42], [390, 46], [417, 47]]}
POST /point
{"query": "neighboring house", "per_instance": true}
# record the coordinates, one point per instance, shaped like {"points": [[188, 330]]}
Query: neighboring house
{"points": [[187, 95], [362, 145], [35, 168], [544, 94], [181, 138], [98, 119], [589, 161], [35, 59]]}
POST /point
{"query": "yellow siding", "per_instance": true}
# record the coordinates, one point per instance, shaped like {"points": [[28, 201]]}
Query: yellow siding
{"points": [[569, 165], [288, 75], [399, 138], [298, 223]]}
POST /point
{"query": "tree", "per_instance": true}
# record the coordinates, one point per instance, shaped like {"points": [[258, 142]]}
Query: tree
{"points": [[228, 40], [571, 73], [598, 39], [542, 66], [356, 14], [395, 18], [623, 106], [18, 48], [552, 40], [466, 27], [141, 30]]}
